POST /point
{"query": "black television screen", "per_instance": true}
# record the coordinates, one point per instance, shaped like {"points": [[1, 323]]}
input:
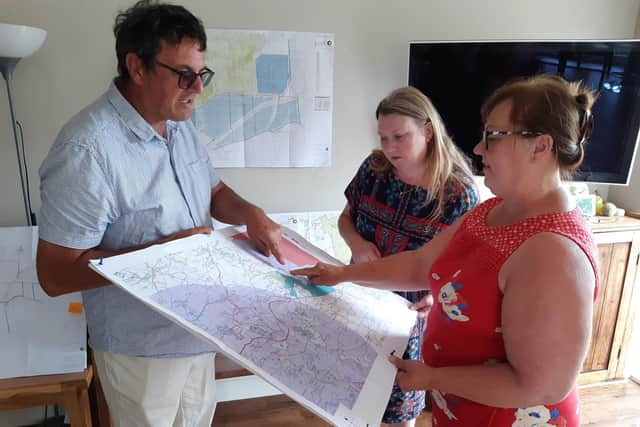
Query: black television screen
{"points": [[458, 76]]}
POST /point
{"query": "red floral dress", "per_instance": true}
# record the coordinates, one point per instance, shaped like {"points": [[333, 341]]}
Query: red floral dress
{"points": [[464, 326]]}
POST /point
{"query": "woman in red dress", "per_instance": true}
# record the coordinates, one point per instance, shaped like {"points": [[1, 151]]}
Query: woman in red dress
{"points": [[514, 280]]}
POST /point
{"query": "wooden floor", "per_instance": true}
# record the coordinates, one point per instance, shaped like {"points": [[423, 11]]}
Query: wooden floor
{"points": [[616, 405]]}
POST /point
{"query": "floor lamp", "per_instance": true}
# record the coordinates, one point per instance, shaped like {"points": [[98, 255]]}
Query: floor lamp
{"points": [[17, 42]]}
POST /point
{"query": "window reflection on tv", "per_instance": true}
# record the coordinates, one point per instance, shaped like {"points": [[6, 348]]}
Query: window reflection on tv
{"points": [[458, 76]]}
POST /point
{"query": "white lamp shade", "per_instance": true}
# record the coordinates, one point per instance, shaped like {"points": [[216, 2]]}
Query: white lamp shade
{"points": [[19, 41]]}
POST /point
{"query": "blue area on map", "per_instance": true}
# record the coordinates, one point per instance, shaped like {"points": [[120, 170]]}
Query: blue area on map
{"points": [[240, 133], [261, 120], [214, 118], [233, 118], [290, 284], [287, 113], [272, 73]]}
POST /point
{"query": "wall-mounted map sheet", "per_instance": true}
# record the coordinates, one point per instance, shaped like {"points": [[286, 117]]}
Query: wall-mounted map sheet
{"points": [[270, 101]]}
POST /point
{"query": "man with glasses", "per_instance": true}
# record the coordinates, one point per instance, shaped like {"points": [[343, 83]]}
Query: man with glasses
{"points": [[125, 173]]}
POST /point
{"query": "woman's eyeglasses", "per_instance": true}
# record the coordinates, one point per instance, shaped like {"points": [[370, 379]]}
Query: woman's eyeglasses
{"points": [[488, 134], [186, 78]]}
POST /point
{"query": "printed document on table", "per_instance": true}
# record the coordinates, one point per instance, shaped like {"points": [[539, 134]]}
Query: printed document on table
{"points": [[39, 335]]}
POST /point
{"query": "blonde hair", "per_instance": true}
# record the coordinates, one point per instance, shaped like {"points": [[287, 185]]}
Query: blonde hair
{"points": [[554, 106], [444, 162]]}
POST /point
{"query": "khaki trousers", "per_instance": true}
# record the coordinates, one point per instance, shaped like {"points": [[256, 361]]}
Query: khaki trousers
{"points": [[158, 392]]}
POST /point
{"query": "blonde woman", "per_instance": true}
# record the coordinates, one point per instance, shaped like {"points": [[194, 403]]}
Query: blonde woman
{"points": [[405, 193]]}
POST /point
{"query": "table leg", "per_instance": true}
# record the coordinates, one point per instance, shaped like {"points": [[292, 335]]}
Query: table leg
{"points": [[76, 404]]}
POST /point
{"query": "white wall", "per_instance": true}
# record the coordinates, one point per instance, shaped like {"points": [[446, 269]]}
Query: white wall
{"points": [[77, 61], [628, 197]]}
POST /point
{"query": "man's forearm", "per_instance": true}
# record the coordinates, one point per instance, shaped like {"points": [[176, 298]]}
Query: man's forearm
{"points": [[230, 208], [59, 274], [63, 270]]}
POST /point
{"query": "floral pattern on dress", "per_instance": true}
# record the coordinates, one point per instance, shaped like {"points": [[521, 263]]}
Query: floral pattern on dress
{"points": [[538, 416]]}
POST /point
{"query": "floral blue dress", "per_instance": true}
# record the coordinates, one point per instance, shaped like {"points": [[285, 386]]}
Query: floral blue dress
{"points": [[393, 215]]}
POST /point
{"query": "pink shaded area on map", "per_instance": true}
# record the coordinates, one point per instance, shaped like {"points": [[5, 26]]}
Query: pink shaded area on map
{"points": [[291, 252]]}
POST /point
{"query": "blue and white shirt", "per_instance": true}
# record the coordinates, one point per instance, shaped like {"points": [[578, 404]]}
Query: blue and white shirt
{"points": [[111, 180]]}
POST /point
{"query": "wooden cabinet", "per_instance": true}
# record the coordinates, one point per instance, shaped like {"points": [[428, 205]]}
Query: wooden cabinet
{"points": [[618, 241]]}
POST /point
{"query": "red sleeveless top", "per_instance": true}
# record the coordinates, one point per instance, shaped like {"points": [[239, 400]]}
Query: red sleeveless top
{"points": [[464, 325]]}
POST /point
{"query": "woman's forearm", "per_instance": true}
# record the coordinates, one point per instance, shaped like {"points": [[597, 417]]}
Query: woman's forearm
{"points": [[347, 228], [496, 385], [400, 272]]}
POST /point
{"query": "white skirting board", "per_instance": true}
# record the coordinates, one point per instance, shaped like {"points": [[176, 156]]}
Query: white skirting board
{"points": [[246, 387]]}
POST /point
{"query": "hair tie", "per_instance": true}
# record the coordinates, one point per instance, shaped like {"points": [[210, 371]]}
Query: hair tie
{"points": [[586, 126]]}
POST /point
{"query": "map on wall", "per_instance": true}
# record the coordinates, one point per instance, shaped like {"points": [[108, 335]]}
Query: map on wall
{"points": [[320, 228], [325, 347], [38, 334], [270, 101]]}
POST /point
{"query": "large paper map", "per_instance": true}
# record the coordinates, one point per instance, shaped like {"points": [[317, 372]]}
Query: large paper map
{"points": [[325, 347], [270, 101]]}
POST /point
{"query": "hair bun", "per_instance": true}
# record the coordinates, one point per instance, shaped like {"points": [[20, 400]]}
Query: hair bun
{"points": [[582, 100]]}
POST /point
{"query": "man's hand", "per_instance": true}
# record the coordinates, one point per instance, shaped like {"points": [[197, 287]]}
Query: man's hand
{"points": [[412, 374], [265, 234], [321, 274], [227, 206], [423, 307]]}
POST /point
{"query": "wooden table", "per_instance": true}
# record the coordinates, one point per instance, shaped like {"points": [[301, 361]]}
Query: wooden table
{"points": [[69, 390]]}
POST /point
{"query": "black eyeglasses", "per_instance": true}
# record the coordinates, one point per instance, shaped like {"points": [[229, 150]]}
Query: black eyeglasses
{"points": [[486, 134], [186, 78]]}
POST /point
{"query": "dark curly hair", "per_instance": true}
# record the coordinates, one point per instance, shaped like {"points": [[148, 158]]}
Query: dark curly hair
{"points": [[141, 29]]}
